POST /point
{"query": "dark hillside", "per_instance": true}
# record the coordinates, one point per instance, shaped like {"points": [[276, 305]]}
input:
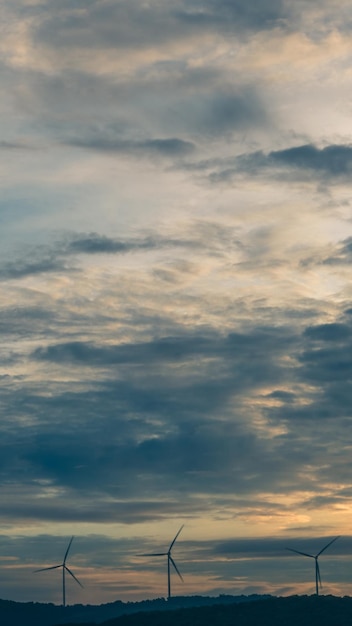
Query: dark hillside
{"points": [[37, 614], [221, 611], [293, 611]]}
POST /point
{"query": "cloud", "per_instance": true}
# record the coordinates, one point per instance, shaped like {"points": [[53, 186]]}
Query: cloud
{"points": [[277, 547], [283, 396], [306, 162], [332, 161], [252, 16], [169, 112], [23, 268], [326, 358], [211, 111], [225, 111], [55, 258], [342, 254], [127, 25], [324, 367], [234, 346], [159, 106], [164, 147], [23, 320], [193, 436], [150, 428], [93, 243], [9, 145], [336, 331]]}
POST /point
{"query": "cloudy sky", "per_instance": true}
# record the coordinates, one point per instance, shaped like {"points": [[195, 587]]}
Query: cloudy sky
{"points": [[176, 299]]}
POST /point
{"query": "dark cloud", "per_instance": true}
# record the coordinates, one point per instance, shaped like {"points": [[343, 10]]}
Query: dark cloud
{"points": [[329, 332], [153, 428], [277, 547], [128, 478], [323, 362], [226, 110], [211, 371], [164, 147], [240, 15], [26, 320], [132, 25], [307, 162], [124, 479], [342, 254], [79, 508], [32, 267], [93, 243], [333, 161], [330, 362], [234, 346], [283, 396], [91, 549], [55, 259]]}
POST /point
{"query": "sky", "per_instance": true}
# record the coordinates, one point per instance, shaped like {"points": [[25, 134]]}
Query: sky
{"points": [[175, 293]]}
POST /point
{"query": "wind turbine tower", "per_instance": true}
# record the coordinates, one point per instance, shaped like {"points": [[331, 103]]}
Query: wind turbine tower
{"points": [[170, 561], [318, 582], [64, 570]]}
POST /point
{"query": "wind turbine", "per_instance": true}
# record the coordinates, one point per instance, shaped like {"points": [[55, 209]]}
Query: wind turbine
{"points": [[170, 562], [64, 570], [315, 557]]}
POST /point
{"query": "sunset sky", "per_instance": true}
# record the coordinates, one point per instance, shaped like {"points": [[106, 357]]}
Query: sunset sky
{"points": [[176, 296]]}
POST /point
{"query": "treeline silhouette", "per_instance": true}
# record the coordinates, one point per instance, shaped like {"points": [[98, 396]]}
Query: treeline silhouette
{"points": [[292, 611], [187, 611], [38, 614]]}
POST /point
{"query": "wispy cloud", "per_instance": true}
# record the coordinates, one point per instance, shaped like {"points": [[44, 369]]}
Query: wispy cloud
{"points": [[165, 147], [306, 163]]}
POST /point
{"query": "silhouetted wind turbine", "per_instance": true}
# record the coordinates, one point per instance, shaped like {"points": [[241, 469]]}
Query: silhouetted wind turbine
{"points": [[64, 570], [169, 561], [315, 557]]}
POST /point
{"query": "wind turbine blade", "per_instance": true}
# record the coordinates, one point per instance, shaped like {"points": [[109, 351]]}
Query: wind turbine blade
{"points": [[73, 576], [44, 569], [175, 566], [173, 541], [67, 551], [327, 545], [303, 553], [155, 554]]}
